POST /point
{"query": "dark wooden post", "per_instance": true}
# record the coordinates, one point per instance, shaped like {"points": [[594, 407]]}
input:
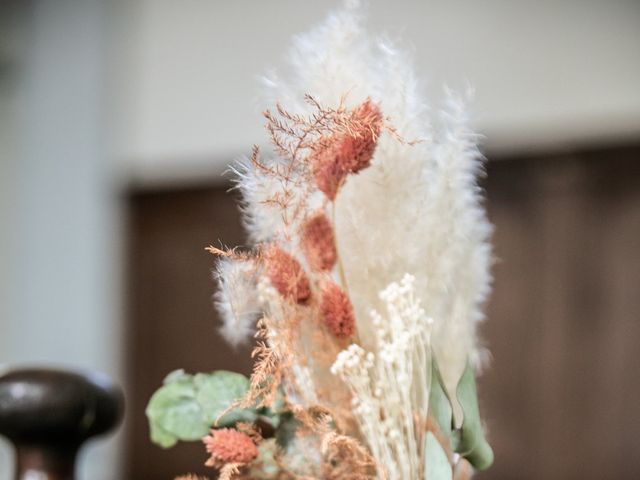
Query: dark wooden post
{"points": [[49, 414]]}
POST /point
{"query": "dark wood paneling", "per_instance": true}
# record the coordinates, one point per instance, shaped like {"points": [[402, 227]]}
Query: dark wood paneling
{"points": [[171, 322], [562, 392], [561, 395]]}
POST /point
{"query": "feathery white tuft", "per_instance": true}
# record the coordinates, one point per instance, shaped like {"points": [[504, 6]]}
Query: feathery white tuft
{"points": [[236, 300], [262, 220], [416, 209]]}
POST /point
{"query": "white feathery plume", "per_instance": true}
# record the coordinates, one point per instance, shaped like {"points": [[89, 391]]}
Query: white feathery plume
{"points": [[415, 210], [263, 220], [236, 300]]}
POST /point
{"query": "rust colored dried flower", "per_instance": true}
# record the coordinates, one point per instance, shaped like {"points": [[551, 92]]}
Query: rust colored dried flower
{"points": [[286, 275], [367, 120], [337, 311], [349, 152], [229, 446], [329, 172], [318, 242]]}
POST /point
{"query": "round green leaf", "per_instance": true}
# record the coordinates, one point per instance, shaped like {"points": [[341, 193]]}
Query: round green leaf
{"points": [[173, 409], [217, 391], [161, 437]]}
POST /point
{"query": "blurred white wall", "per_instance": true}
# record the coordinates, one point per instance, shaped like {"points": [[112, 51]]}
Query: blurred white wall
{"points": [[59, 228], [98, 94], [547, 74]]}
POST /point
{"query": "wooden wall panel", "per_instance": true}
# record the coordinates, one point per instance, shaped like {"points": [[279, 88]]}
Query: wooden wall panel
{"points": [[172, 323], [561, 396]]}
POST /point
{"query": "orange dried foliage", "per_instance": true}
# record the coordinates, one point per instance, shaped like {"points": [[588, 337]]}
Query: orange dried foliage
{"points": [[318, 243], [227, 445], [319, 151], [348, 152], [230, 471], [346, 459], [337, 311], [286, 274], [267, 372]]}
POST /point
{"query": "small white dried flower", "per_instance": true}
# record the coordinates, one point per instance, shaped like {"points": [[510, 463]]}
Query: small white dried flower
{"points": [[390, 387]]}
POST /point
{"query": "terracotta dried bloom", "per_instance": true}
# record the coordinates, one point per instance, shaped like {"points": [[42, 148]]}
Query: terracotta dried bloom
{"points": [[347, 152], [318, 242], [286, 274], [337, 311], [367, 121], [229, 446]]}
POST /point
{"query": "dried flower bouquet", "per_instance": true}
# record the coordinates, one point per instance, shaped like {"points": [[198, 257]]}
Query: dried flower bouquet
{"points": [[364, 288]]}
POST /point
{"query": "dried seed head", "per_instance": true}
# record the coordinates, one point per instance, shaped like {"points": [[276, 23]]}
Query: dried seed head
{"points": [[337, 311], [286, 275], [348, 152], [229, 446], [367, 120], [329, 169], [318, 242]]}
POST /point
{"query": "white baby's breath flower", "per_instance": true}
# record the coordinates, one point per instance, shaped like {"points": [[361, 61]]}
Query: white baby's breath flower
{"points": [[392, 386]]}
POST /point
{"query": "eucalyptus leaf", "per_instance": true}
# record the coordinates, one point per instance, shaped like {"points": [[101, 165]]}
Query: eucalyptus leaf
{"points": [[174, 411], [437, 466], [187, 406], [177, 376], [439, 404], [161, 437], [472, 445], [218, 391]]}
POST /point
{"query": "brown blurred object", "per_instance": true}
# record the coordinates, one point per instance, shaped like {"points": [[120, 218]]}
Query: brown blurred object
{"points": [[49, 414], [560, 397]]}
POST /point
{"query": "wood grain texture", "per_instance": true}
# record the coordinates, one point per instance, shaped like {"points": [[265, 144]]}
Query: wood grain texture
{"points": [[563, 325]]}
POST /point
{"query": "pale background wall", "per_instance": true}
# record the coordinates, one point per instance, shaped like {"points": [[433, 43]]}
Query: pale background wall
{"points": [[97, 95], [546, 73], [59, 303]]}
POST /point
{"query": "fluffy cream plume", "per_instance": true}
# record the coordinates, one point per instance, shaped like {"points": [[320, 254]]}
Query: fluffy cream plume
{"points": [[423, 217], [263, 219], [236, 299], [415, 210]]}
